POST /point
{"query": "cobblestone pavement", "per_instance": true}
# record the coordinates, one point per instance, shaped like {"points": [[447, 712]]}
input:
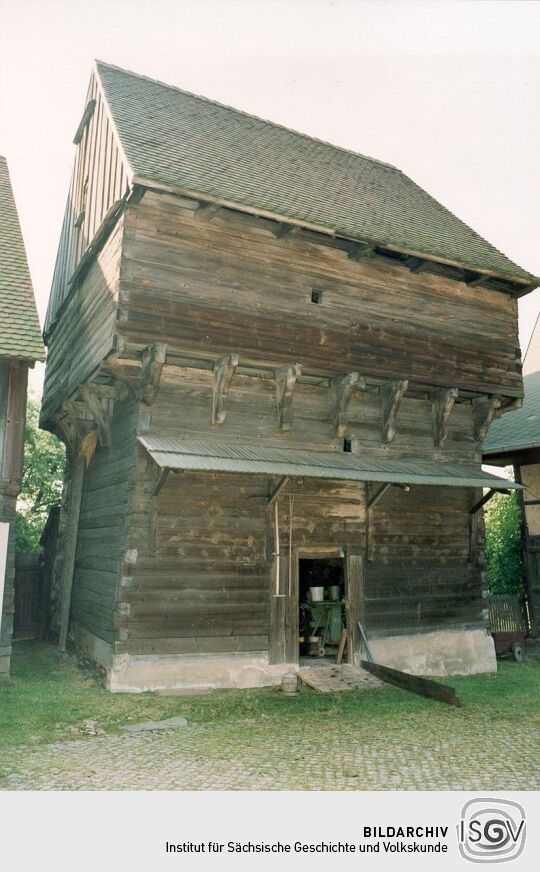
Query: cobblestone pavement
{"points": [[256, 755]]}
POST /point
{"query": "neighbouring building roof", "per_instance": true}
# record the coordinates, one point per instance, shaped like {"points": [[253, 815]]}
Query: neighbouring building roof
{"points": [[520, 430], [177, 139], [20, 334], [213, 456]]}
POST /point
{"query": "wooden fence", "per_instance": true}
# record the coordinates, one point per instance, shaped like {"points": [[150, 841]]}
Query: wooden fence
{"points": [[507, 613], [29, 616]]}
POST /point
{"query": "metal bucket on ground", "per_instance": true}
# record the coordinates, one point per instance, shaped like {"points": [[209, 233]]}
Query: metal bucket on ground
{"points": [[316, 594], [289, 683]]}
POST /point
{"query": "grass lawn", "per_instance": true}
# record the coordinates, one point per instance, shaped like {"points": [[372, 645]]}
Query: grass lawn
{"points": [[49, 700]]}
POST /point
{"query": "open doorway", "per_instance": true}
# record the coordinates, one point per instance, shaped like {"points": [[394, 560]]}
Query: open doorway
{"points": [[322, 606]]}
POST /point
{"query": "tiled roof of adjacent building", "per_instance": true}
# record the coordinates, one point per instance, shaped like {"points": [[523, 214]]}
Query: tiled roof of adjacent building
{"points": [[520, 430], [20, 335], [178, 139]]}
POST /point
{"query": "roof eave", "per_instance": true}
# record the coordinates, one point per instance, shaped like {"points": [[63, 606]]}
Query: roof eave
{"points": [[527, 284], [509, 449]]}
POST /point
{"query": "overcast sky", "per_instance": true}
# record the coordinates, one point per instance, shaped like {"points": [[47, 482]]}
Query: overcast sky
{"points": [[447, 91]]}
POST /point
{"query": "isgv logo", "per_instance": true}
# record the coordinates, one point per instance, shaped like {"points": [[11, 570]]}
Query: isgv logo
{"points": [[491, 830]]}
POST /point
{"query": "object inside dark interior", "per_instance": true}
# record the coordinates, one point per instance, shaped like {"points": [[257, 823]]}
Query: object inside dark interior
{"points": [[322, 606]]}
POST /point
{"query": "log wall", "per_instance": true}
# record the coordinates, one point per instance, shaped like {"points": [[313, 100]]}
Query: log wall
{"points": [[418, 576], [84, 335], [229, 285], [101, 542]]}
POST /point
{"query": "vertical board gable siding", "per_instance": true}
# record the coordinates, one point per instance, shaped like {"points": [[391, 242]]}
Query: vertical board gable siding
{"points": [[98, 180]]}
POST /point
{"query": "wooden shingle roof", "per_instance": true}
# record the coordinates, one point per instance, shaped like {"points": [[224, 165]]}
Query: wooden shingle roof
{"points": [[173, 138], [20, 334]]}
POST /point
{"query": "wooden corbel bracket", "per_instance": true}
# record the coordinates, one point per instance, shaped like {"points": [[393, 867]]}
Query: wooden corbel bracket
{"points": [[286, 378], [101, 410], [484, 411], [391, 397], [342, 388], [224, 369], [442, 404], [153, 359]]}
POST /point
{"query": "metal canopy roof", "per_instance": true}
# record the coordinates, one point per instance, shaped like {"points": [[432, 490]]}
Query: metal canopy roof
{"points": [[213, 456]]}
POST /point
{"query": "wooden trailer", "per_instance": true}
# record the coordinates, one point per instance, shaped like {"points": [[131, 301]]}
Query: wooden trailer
{"points": [[273, 362], [20, 346]]}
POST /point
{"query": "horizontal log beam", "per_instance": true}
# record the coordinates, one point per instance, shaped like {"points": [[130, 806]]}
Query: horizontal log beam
{"points": [[413, 683]]}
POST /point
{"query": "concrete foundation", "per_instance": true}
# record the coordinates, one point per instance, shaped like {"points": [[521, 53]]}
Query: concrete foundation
{"points": [[444, 652], [195, 671], [439, 654]]}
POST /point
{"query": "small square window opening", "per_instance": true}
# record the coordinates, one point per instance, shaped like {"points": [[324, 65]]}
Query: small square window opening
{"points": [[316, 297]]}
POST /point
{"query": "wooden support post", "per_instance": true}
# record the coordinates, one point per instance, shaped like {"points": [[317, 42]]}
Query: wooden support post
{"points": [[223, 372], [72, 531], [442, 404], [391, 397], [153, 359], [286, 378], [163, 476], [102, 418], [277, 490], [342, 388], [484, 410], [491, 493], [376, 497]]}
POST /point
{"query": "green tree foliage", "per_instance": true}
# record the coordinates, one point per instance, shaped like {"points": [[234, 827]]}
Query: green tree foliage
{"points": [[503, 544], [43, 473]]}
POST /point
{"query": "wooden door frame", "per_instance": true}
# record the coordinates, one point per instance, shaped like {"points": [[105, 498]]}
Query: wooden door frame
{"points": [[284, 609]]}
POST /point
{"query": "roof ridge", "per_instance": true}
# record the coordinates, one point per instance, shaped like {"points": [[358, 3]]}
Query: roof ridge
{"points": [[250, 115]]}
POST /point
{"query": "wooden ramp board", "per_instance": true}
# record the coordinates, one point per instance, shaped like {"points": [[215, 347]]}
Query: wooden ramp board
{"points": [[330, 679]]}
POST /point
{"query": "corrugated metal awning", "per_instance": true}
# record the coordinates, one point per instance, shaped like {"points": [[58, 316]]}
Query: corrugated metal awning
{"points": [[213, 456]]}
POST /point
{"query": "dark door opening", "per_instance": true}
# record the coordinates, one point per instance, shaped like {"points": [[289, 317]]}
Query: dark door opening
{"points": [[322, 617]]}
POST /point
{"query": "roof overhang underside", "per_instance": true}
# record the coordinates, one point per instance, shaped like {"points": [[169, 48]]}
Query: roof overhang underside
{"points": [[213, 456]]}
